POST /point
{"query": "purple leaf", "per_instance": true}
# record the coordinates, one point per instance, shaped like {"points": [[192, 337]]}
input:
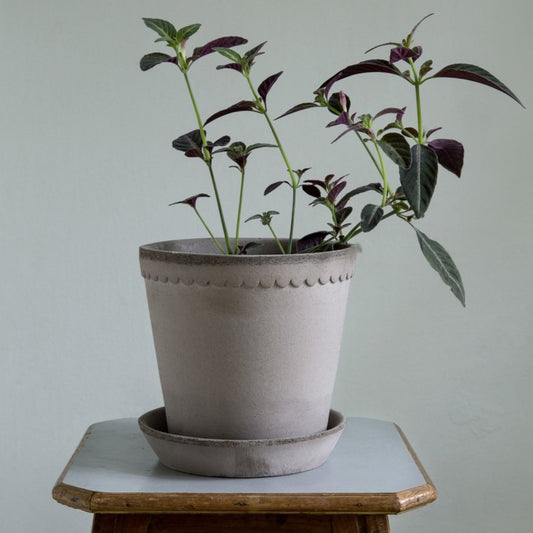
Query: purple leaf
{"points": [[343, 119], [364, 188], [450, 154], [312, 240], [274, 186], [232, 66], [335, 191], [221, 42], [410, 36], [318, 183], [355, 127], [243, 105], [364, 67], [266, 85], [299, 107], [191, 200], [311, 190], [402, 53], [410, 132], [465, 71], [432, 131], [391, 110]]}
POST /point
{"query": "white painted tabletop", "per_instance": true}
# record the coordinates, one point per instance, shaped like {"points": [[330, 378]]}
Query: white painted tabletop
{"points": [[371, 457]]}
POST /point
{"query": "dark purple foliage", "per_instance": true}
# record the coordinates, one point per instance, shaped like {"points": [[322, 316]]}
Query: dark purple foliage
{"points": [[266, 85], [432, 131], [299, 107], [312, 240], [364, 67], [274, 186], [402, 53], [343, 119], [243, 105], [464, 71], [377, 187], [450, 154], [336, 190], [354, 127], [232, 66], [192, 200], [391, 110], [221, 42], [311, 190]]}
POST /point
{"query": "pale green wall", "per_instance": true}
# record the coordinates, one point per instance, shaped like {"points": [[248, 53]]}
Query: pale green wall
{"points": [[86, 174]]}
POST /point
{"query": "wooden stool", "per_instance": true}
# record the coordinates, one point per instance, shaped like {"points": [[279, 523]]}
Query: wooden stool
{"points": [[372, 473]]}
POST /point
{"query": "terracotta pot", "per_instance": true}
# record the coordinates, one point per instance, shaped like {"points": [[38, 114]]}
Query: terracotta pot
{"points": [[247, 345]]}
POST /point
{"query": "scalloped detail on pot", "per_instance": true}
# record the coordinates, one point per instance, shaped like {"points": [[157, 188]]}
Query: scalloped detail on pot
{"points": [[191, 262], [247, 284]]}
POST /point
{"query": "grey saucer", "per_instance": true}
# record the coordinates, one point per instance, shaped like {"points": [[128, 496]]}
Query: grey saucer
{"points": [[239, 458]]}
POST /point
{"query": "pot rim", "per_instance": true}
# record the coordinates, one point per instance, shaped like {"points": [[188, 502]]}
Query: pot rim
{"points": [[163, 251]]}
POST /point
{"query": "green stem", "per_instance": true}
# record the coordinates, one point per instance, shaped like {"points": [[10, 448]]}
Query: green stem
{"points": [[207, 155], [207, 159], [239, 213], [276, 239], [417, 83], [376, 164], [294, 179], [383, 173], [209, 231], [219, 206]]}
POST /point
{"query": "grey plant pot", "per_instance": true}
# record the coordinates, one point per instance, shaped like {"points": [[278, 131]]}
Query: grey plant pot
{"points": [[247, 345]]}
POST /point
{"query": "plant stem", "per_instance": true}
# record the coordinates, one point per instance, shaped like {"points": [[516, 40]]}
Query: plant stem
{"points": [[209, 231], [239, 213], [276, 239], [383, 173], [417, 82], [294, 180], [376, 164], [208, 161], [219, 206]]}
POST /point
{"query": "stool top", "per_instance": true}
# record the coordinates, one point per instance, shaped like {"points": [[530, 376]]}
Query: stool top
{"points": [[373, 469]]}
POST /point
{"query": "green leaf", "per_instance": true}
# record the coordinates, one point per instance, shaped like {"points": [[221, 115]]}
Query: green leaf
{"points": [[440, 260], [397, 148], [230, 54], [419, 180], [370, 216], [186, 32], [259, 145], [151, 60], [164, 29]]}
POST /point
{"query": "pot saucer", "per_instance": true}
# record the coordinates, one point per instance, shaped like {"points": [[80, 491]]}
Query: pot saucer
{"points": [[239, 458]]}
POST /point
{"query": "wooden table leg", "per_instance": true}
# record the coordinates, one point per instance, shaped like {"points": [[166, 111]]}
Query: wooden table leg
{"points": [[235, 523]]}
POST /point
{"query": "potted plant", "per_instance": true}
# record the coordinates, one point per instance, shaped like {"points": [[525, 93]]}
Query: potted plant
{"points": [[247, 331]]}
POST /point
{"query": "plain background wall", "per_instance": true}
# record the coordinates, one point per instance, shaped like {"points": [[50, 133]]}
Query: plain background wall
{"points": [[87, 172]]}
